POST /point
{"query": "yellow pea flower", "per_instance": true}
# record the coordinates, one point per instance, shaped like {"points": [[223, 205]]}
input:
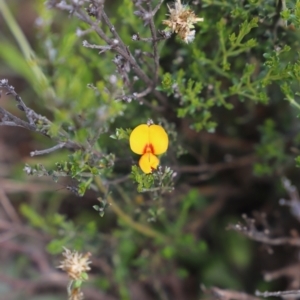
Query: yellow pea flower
{"points": [[148, 141]]}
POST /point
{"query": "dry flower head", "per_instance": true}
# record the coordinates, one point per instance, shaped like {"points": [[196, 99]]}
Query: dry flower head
{"points": [[75, 264], [181, 21], [76, 294]]}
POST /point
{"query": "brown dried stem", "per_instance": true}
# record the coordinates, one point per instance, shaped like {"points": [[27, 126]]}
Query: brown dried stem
{"points": [[36, 122], [252, 233], [294, 293], [117, 45], [229, 294]]}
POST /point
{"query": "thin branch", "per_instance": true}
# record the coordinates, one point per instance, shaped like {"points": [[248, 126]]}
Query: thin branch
{"points": [[154, 43], [114, 32], [51, 281], [294, 293], [291, 271], [140, 98], [134, 96], [128, 57], [118, 180], [157, 7], [143, 229], [21, 229], [137, 37], [86, 44], [238, 162], [294, 201], [31, 115], [117, 45], [147, 16], [8, 207], [11, 120], [141, 56], [121, 49], [210, 211], [142, 94], [8, 119], [229, 294], [7, 236], [47, 151], [15, 186], [34, 253], [251, 232], [9, 123]]}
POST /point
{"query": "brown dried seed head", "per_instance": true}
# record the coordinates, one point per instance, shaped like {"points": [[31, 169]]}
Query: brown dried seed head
{"points": [[181, 21], [74, 264]]}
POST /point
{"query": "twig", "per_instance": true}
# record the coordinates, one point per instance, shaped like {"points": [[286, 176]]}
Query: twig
{"points": [[118, 180], [134, 96], [154, 43], [21, 229], [121, 50], [36, 122], [7, 236], [53, 280], [114, 32], [157, 7], [47, 151], [293, 293], [140, 98], [93, 46], [145, 230], [238, 162], [209, 212], [229, 294], [291, 271], [15, 186], [31, 115], [137, 37], [9, 209], [294, 201], [11, 120], [142, 94], [116, 44], [251, 232], [33, 252]]}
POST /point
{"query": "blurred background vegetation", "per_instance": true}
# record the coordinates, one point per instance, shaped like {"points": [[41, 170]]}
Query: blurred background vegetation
{"points": [[229, 103]]}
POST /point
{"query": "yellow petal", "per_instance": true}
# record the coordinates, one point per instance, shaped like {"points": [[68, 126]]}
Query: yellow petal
{"points": [[139, 139], [148, 162], [158, 138]]}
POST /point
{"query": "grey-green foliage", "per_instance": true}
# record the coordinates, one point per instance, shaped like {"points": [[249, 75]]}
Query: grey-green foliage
{"points": [[241, 51]]}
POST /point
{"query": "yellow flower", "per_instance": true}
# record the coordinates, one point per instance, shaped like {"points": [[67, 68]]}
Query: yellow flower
{"points": [[148, 141]]}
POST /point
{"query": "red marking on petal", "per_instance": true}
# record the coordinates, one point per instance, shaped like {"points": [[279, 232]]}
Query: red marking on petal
{"points": [[148, 149], [151, 148], [145, 149]]}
